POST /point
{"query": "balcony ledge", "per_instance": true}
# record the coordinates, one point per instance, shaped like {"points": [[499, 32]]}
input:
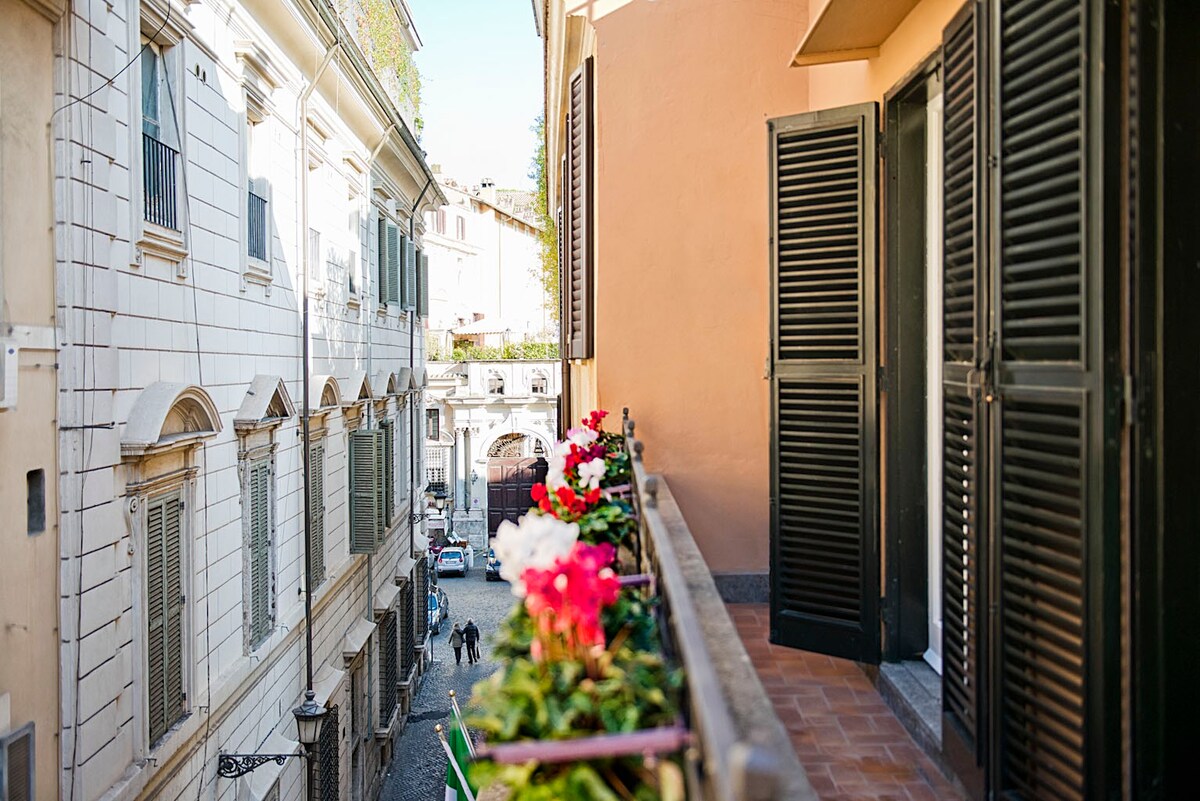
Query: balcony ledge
{"points": [[850, 30]]}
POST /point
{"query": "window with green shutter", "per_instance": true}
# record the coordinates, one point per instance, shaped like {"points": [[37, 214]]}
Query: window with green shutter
{"points": [[164, 613], [382, 251], [316, 502], [262, 581], [366, 490], [17, 765], [423, 285], [409, 301], [389, 470], [394, 253]]}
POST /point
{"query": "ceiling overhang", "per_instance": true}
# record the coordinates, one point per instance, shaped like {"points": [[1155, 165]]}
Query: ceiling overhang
{"points": [[849, 30]]}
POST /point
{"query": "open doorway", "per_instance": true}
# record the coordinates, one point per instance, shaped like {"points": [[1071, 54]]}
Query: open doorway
{"points": [[911, 391]]}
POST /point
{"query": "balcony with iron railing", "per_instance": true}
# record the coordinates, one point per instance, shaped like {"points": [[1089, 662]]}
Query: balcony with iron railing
{"points": [[160, 192], [721, 729]]}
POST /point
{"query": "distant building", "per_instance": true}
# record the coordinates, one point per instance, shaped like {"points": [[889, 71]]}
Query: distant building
{"points": [[489, 425], [483, 257]]}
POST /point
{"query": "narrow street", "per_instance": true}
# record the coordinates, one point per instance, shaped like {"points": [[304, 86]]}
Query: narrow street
{"points": [[423, 775]]}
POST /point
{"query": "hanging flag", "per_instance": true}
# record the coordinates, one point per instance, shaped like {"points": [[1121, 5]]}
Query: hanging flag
{"points": [[459, 752]]}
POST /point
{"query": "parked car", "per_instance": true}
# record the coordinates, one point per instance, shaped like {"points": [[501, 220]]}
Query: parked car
{"points": [[439, 608], [492, 571], [452, 560]]}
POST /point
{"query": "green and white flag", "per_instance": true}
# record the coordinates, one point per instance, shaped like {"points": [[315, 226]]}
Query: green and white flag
{"points": [[457, 751]]}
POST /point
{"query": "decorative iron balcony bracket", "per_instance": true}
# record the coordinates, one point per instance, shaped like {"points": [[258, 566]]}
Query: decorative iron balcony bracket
{"points": [[231, 766]]}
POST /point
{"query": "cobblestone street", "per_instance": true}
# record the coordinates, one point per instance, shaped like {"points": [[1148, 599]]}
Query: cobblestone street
{"points": [[418, 772]]}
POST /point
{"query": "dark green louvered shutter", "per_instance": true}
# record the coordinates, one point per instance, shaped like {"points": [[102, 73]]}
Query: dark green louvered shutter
{"points": [[423, 285], [261, 583], [964, 438], [409, 301], [316, 500], [824, 544], [365, 491], [382, 259], [389, 470], [394, 248], [164, 612], [1059, 705]]}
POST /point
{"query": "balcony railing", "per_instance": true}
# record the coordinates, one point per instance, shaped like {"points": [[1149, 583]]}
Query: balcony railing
{"points": [[160, 166], [742, 750], [256, 234]]}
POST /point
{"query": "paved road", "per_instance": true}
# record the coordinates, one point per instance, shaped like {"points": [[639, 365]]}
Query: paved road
{"points": [[418, 772]]}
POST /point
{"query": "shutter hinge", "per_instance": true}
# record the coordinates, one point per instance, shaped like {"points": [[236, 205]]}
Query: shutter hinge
{"points": [[992, 161], [881, 378]]}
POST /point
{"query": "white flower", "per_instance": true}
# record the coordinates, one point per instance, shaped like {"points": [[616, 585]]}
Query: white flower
{"points": [[583, 437], [556, 472], [591, 472], [535, 541]]}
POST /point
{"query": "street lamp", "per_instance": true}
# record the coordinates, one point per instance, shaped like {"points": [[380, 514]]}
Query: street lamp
{"points": [[309, 717]]}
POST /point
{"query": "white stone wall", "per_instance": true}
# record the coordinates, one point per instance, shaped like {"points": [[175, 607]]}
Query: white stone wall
{"points": [[492, 271], [131, 315]]}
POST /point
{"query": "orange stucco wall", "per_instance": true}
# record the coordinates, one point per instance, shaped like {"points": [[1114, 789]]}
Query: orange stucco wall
{"points": [[683, 92]]}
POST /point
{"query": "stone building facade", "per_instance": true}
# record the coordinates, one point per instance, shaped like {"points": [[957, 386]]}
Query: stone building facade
{"points": [[249, 151], [480, 415]]}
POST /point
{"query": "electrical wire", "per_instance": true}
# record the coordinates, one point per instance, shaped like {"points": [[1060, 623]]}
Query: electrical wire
{"points": [[119, 72]]}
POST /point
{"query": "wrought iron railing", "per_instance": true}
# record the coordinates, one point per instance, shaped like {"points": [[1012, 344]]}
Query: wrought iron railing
{"points": [[741, 751], [256, 234], [160, 166]]}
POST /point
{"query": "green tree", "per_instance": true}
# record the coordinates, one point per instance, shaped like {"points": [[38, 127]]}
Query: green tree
{"points": [[547, 269]]}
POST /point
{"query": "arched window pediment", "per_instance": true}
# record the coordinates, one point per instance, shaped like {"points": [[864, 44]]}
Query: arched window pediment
{"points": [[324, 394], [168, 415], [355, 388]]}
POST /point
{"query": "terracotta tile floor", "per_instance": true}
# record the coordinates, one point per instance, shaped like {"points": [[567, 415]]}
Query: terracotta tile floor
{"points": [[847, 738]]}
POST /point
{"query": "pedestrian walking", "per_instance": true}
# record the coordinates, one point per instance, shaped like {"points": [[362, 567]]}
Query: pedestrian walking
{"points": [[471, 637], [456, 642]]}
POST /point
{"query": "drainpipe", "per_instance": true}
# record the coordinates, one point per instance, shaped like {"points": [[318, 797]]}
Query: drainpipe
{"points": [[305, 367]]}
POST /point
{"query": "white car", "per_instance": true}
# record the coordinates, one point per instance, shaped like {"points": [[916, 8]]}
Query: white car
{"points": [[452, 560]]}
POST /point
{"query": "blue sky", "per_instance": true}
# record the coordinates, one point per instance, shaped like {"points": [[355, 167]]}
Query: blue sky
{"points": [[481, 68]]}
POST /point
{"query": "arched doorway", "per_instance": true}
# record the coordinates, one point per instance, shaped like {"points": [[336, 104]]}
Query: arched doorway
{"points": [[515, 463]]}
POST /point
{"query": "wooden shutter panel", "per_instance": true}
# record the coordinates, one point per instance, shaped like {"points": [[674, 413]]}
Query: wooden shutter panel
{"points": [[408, 609], [260, 552], [423, 287], [394, 247], [382, 257], [824, 549], [365, 495], [316, 500], [577, 198], [164, 602], [1058, 679], [389, 470], [963, 410], [409, 300], [17, 766]]}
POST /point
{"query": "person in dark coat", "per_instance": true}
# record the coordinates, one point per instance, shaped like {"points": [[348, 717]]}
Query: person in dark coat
{"points": [[471, 637], [456, 642]]}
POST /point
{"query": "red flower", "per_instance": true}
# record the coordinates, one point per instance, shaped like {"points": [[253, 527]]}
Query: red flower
{"points": [[566, 600], [593, 421], [538, 492]]}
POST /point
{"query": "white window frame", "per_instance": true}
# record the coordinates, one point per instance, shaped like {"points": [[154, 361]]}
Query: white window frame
{"points": [[167, 27]]}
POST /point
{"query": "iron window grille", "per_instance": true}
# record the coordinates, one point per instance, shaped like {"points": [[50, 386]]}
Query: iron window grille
{"points": [[256, 212], [160, 164]]}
